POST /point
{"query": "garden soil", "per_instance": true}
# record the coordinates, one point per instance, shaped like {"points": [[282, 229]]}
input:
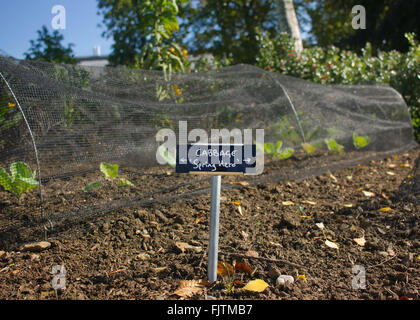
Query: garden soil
{"points": [[145, 252]]}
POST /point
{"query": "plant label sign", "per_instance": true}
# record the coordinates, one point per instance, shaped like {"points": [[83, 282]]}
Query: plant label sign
{"points": [[216, 159]]}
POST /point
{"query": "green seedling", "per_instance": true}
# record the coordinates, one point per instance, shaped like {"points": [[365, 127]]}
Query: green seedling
{"points": [[360, 141], [110, 172], [309, 149], [22, 179], [276, 150], [334, 146]]}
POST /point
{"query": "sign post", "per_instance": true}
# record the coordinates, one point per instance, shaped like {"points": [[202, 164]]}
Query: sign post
{"points": [[214, 227], [215, 160]]}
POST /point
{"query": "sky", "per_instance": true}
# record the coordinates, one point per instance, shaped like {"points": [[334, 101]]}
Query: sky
{"points": [[20, 20]]}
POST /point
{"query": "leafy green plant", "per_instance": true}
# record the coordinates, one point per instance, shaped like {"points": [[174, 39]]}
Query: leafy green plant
{"points": [[110, 172], [334, 146], [360, 141], [22, 179], [309, 148], [276, 150]]}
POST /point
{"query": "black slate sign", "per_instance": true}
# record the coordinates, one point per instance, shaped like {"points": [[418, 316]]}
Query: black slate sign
{"points": [[221, 158]]}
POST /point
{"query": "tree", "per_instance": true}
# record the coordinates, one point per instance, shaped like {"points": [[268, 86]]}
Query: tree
{"points": [[142, 31], [288, 22], [227, 29], [386, 23], [48, 47]]}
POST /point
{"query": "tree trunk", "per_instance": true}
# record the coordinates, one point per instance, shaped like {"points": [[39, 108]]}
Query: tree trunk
{"points": [[289, 23]]}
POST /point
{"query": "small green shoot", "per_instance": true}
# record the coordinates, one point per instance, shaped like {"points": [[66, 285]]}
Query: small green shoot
{"points": [[309, 149], [22, 179], [360, 141], [334, 146], [110, 172], [276, 150]]}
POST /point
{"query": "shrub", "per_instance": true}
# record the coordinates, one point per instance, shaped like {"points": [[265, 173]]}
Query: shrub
{"points": [[334, 66]]}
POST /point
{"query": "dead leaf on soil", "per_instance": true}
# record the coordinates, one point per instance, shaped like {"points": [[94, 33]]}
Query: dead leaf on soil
{"points": [[368, 193], [244, 235], [390, 173], [348, 205], [188, 288], [288, 203], [257, 285], [241, 183], [238, 283], [392, 165], [252, 253], [183, 246], [360, 241], [116, 271], [242, 267], [309, 202], [159, 269], [200, 218], [224, 269], [239, 208], [302, 277], [320, 225], [331, 244]]}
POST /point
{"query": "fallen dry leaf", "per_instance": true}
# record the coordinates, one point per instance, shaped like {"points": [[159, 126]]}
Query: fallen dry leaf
{"points": [[331, 244], [239, 208], [334, 178], [309, 202], [320, 225], [15, 271], [360, 241], [188, 288], [200, 218], [242, 267], [302, 277], [368, 193], [256, 285], [224, 269], [288, 203], [241, 183], [390, 173], [159, 269], [183, 246], [252, 253], [244, 235], [348, 205]]}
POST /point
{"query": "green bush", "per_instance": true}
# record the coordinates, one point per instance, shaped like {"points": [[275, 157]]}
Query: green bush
{"points": [[334, 66]]}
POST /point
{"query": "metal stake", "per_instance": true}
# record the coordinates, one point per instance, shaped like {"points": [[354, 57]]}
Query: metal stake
{"points": [[214, 227]]}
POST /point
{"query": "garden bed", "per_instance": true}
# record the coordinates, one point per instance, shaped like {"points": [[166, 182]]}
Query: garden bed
{"points": [[132, 253]]}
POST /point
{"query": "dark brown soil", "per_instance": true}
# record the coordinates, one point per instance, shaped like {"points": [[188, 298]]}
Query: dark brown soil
{"points": [[130, 253]]}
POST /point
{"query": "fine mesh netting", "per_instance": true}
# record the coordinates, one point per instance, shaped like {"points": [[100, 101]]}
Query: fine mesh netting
{"points": [[64, 120]]}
